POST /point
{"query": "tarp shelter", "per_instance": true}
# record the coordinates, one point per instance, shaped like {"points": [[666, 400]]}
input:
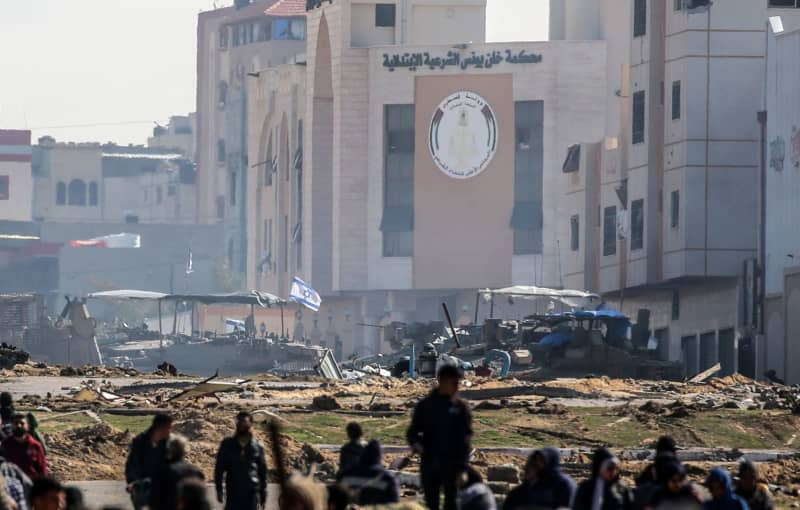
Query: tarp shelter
{"points": [[571, 298]]}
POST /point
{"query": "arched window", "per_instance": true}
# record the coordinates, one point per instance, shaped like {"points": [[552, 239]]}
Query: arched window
{"points": [[76, 192], [92, 193], [61, 193]]}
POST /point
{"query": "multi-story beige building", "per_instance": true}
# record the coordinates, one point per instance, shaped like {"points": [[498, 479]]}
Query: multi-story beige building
{"points": [[233, 43], [16, 181], [179, 134], [664, 210], [430, 162], [89, 182]]}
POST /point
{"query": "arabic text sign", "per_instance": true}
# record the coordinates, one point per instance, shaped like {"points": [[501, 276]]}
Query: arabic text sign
{"points": [[453, 59]]}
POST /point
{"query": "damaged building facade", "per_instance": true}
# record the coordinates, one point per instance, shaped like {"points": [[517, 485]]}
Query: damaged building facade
{"points": [[401, 165], [663, 211]]}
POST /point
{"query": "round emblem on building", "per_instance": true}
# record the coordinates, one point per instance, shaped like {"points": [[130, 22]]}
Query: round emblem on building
{"points": [[463, 135]]}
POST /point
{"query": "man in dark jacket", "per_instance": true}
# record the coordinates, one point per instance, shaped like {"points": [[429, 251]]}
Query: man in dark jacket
{"points": [[164, 492], [146, 459], [519, 496], [350, 453], [604, 490], [752, 490], [648, 483], [241, 462], [6, 413], [552, 489], [372, 483], [441, 432]]}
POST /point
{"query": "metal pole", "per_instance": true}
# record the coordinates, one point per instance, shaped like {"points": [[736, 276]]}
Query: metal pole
{"points": [[283, 331]]}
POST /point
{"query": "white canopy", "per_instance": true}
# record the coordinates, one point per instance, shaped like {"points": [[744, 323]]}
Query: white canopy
{"points": [[573, 298], [127, 294]]}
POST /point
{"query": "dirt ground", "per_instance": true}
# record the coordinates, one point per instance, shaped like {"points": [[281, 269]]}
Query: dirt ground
{"points": [[88, 432]]}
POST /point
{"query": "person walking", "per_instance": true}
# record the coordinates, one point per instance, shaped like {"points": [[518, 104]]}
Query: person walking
{"points": [[350, 453], [520, 496], [604, 490], [370, 480], [164, 492], [23, 450], [146, 459], [18, 483], [6, 414], [441, 433], [752, 490], [242, 465], [551, 488], [676, 492]]}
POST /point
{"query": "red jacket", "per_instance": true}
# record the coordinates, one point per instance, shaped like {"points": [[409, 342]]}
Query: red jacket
{"points": [[27, 454]]}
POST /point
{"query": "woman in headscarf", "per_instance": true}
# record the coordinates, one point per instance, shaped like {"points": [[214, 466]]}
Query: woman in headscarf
{"points": [[604, 490], [676, 491], [722, 496]]}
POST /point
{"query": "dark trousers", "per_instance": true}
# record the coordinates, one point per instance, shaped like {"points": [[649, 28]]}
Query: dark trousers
{"points": [[433, 481], [242, 502]]}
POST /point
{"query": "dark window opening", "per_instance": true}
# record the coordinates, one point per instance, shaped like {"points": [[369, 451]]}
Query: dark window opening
{"points": [[638, 117], [223, 38], [676, 100], [784, 3], [573, 161], [76, 194], [609, 231], [397, 223], [637, 224], [5, 192], [639, 18], [171, 190], [221, 155], [220, 208], [159, 195], [233, 189], [675, 209], [61, 193], [384, 15], [526, 218], [574, 233], [93, 194]]}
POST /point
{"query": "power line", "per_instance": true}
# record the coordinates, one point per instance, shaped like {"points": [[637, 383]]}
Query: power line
{"points": [[98, 124]]}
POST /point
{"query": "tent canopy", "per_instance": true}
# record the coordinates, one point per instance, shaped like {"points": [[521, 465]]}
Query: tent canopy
{"points": [[254, 297]]}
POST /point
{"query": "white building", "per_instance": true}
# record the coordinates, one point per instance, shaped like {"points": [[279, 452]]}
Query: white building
{"points": [[16, 182]]}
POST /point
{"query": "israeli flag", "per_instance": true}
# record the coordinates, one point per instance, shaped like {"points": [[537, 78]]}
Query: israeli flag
{"points": [[304, 294]]}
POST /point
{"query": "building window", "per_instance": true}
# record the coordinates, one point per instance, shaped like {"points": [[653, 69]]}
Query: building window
{"points": [[785, 4], [222, 93], [221, 155], [575, 233], [675, 209], [171, 190], [638, 117], [526, 218], [676, 100], [678, 5], [220, 207], [4, 188], [384, 15], [263, 31], [639, 18], [285, 29], [397, 223], [76, 193], [232, 196], [159, 195], [637, 224], [61, 193], [93, 194], [609, 231], [223, 38]]}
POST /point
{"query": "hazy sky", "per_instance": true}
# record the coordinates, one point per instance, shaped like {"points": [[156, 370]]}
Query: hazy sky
{"points": [[110, 68]]}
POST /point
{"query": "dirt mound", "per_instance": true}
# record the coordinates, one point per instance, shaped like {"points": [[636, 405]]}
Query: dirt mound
{"points": [[96, 452], [731, 380]]}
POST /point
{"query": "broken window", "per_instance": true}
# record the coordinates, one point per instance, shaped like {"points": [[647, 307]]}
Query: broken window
{"points": [[674, 208], [609, 231], [397, 223], [638, 117], [637, 224], [574, 233], [639, 18], [384, 15], [676, 100], [573, 161]]}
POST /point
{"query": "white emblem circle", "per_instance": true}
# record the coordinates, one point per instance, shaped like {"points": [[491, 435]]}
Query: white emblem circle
{"points": [[463, 135]]}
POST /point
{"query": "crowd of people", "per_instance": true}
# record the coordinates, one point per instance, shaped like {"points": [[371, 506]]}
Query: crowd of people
{"points": [[159, 477]]}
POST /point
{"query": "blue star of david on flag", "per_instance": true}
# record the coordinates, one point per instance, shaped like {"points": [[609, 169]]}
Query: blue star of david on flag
{"points": [[303, 293]]}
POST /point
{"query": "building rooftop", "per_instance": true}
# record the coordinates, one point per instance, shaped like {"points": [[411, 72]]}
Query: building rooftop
{"points": [[287, 8]]}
